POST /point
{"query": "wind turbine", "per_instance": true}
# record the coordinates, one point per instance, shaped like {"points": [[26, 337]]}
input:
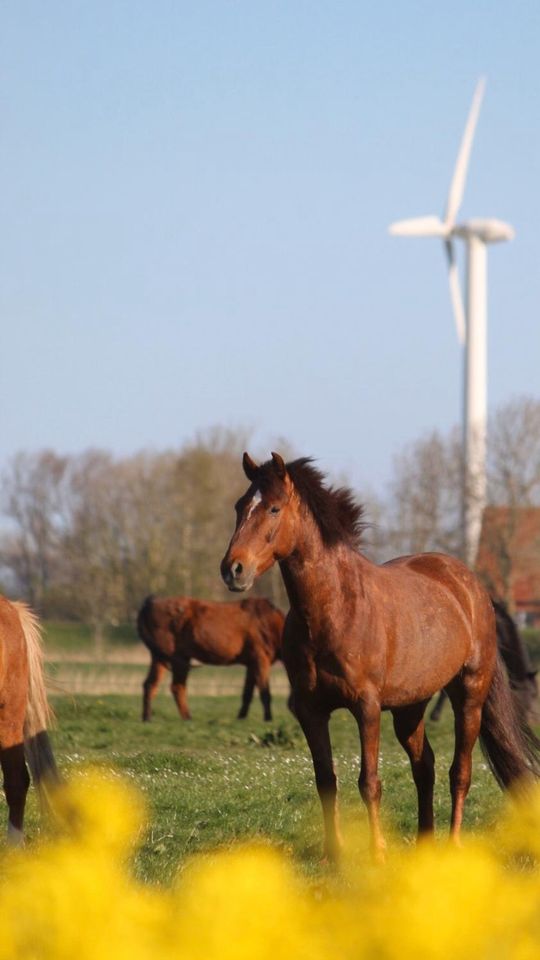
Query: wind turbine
{"points": [[471, 324]]}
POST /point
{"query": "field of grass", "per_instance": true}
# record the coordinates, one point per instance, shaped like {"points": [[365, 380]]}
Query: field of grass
{"points": [[68, 637], [216, 780]]}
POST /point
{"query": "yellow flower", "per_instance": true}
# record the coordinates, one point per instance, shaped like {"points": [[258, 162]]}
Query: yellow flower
{"points": [[73, 896], [96, 809]]}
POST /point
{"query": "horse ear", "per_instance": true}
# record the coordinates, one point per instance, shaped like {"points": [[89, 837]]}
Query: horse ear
{"points": [[279, 465], [250, 467]]}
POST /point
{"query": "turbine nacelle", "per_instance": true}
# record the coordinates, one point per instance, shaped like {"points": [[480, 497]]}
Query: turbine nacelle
{"points": [[488, 231]]}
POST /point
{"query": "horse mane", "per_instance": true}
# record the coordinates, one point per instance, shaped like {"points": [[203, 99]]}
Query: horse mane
{"points": [[335, 510]]}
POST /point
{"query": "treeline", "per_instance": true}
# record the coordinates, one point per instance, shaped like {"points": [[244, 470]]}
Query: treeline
{"points": [[88, 536]]}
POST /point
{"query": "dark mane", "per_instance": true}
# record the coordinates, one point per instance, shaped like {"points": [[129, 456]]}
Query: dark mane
{"points": [[336, 512]]}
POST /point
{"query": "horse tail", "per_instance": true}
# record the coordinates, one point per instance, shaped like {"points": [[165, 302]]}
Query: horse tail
{"points": [[508, 743], [144, 630], [142, 617], [37, 746]]}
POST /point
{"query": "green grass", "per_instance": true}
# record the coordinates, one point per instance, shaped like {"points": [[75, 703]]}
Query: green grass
{"points": [[215, 780], [71, 637]]}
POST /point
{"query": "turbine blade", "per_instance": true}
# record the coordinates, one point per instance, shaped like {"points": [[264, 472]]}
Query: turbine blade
{"points": [[455, 291], [457, 186], [419, 227]]}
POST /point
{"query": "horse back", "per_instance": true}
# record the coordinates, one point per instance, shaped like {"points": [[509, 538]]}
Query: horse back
{"points": [[223, 633], [448, 581], [434, 620]]}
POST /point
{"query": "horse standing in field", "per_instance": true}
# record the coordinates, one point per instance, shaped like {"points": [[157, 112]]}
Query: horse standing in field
{"points": [[370, 638], [520, 670], [177, 629], [24, 712]]}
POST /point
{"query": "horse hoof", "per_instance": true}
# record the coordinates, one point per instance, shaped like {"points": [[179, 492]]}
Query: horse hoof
{"points": [[331, 856], [15, 837]]}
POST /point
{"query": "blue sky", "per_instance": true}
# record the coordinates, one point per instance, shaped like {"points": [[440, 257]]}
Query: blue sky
{"points": [[194, 220]]}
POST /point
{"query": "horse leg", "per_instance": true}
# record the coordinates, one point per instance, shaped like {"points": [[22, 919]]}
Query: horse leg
{"points": [[247, 693], [16, 783], [150, 687], [180, 670], [467, 706], [438, 708], [410, 731], [368, 717], [262, 680], [317, 734]]}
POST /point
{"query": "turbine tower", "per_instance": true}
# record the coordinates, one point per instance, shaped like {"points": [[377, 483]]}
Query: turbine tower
{"points": [[471, 323]]}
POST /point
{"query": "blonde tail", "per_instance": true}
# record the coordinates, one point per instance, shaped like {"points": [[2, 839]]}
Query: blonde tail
{"points": [[37, 746]]}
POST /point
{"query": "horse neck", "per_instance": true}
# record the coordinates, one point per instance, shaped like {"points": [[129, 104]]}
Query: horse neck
{"points": [[312, 573]]}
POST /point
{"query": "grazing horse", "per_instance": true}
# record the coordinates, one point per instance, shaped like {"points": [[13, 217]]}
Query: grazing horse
{"points": [[520, 670], [369, 638], [177, 629], [24, 713]]}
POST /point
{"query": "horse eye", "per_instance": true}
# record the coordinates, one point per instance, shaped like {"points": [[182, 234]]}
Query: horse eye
{"points": [[274, 509]]}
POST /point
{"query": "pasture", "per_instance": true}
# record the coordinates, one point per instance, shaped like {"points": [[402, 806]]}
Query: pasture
{"points": [[215, 780]]}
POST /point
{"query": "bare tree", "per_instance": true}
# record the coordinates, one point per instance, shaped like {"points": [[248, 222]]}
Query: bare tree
{"points": [[91, 548], [209, 480], [424, 508], [34, 500], [424, 511], [149, 523], [514, 453]]}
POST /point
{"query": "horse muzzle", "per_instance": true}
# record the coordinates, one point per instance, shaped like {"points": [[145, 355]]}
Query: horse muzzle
{"points": [[236, 575]]}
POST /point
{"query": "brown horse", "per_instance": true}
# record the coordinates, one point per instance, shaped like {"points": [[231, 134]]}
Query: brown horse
{"points": [[177, 629], [24, 712], [368, 638]]}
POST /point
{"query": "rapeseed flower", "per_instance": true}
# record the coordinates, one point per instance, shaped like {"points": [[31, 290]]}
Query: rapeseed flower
{"points": [[74, 895]]}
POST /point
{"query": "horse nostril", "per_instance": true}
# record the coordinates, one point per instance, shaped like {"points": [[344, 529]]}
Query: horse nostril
{"points": [[236, 569]]}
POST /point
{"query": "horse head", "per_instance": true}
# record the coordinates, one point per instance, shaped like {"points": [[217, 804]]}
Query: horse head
{"points": [[264, 523]]}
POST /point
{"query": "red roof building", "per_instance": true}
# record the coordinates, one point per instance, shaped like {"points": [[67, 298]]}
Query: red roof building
{"points": [[508, 558]]}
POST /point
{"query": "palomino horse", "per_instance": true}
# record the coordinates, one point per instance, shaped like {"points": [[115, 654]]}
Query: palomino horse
{"points": [[520, 669], [370, 637], [24, 712], [177, 629]]}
